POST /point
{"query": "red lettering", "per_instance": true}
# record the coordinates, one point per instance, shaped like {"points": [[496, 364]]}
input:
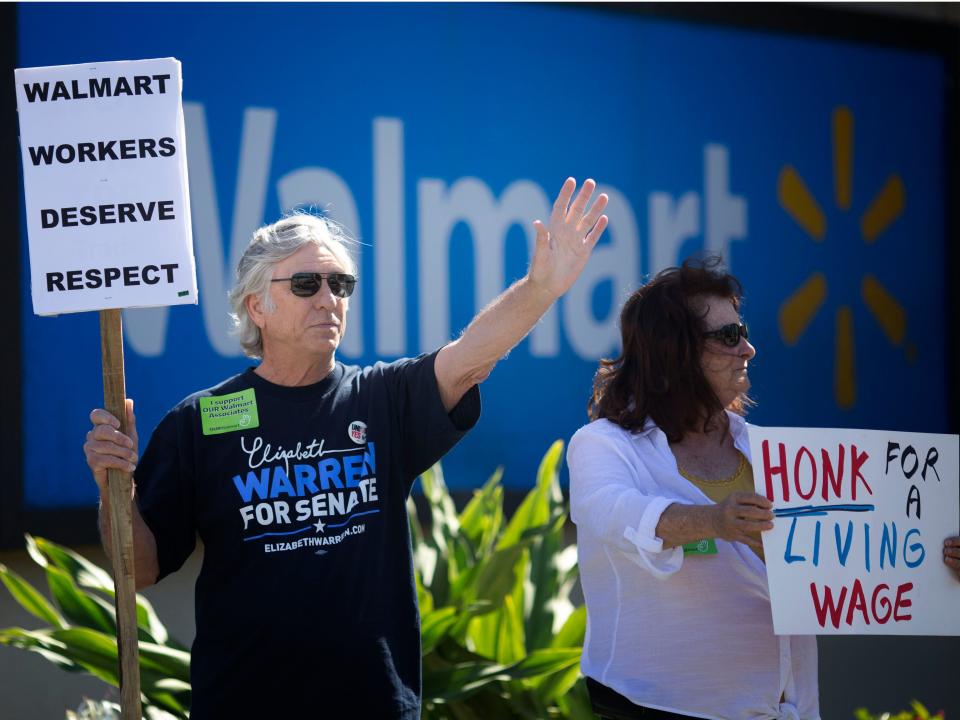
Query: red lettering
{"points": [[835, 610], [769, 471], [796, 473], [857, 601], [831, 481], [879, 610], [884, 603], [902, 602], [857, 462]]}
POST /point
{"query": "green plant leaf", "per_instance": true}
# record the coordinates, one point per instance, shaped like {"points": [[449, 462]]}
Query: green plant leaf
{"points": [[492, 578], [434, 626], [151, 629], [171, 663], [483, 632], [424, 598], [78, 607], [575, 704], [499, 574], [498, 635], [510, 642], [444, 524], [464, 624], [461, 680], [548, 660], [443, 528], [494, 525], [555, 684], [550, 564], [87, 643], [74, 645], [464, 679], [536, 508], [480, 512], [176, 704], [549, 474], [154, 713], [425, 558], [573, 631], [96, 653], [545, 584], [83, 572], [30, 598], [173, 685], [413, 517], [14, 637]]}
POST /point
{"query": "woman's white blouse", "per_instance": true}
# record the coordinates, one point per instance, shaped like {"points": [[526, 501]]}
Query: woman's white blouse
{"points": [[692, 635]]}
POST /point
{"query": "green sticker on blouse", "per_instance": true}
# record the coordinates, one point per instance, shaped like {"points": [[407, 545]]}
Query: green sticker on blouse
{"points": [[228, 413], [707, 546]]}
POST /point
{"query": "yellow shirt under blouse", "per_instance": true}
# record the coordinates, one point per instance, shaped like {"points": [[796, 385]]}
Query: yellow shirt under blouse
{"points": [[719, 490]]}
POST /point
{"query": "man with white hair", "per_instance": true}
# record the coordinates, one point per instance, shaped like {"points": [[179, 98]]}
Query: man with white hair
{"points": [[295, 476]]}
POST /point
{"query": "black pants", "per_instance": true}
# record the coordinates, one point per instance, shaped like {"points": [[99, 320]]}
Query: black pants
{"points": [[611, 705]]}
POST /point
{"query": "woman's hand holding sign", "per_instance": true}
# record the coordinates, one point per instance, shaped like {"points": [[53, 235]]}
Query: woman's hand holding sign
{"points": [[742, 517], [951, 554]]}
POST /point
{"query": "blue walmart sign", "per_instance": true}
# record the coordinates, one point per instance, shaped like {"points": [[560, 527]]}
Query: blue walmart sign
{"points": [[437, 133]]}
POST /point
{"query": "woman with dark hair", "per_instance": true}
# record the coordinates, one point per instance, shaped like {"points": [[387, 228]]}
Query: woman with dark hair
{"points": [[668, 524]]}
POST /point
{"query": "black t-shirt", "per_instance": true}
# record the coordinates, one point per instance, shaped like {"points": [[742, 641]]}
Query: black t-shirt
{"points": [[306, 602]]}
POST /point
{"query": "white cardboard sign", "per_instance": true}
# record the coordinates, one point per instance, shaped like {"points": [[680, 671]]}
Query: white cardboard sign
{"points": [[857, 543], [105, 179]]}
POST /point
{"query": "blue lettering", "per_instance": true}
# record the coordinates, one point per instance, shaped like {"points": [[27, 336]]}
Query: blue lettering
{"points": [[816, 544], [914, 547], [788, 555], [305, 476], [353, 469], [281, 483], [253, 483], [866, 545], [889, 546], [329, 473], [842, 552]]}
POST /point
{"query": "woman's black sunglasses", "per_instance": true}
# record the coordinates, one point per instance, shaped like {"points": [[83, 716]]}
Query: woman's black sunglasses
{"points": [[730, 334], [307, 284]]}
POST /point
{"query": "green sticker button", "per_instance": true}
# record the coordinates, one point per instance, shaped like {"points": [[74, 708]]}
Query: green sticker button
{"points": [[707, 546], [227, 413]]}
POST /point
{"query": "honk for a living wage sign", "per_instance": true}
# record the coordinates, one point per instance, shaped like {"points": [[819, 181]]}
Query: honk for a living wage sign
{"points": [[857, 543], [105, 180]]}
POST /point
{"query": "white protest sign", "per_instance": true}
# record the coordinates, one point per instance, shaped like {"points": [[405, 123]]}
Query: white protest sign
{"points": [[857, 543], [105, 180]]}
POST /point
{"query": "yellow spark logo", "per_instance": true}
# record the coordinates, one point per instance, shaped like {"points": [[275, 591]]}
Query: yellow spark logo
{"points": [[800, 308]]}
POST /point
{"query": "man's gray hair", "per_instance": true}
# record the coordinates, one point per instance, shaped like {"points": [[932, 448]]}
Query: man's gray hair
{"points": [[270, 245]]}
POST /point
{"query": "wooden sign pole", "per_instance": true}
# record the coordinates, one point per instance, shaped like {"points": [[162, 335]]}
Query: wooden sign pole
{"points": [[120, 486]]}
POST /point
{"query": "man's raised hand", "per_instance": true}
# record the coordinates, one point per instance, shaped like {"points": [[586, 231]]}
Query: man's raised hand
{"points": [[564, 246]]}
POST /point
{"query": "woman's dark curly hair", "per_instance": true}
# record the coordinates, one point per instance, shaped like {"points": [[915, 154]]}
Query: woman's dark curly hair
{"points": [[658, 373]]}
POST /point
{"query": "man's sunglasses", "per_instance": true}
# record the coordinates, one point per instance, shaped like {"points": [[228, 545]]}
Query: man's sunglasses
{"points": [[307, 284], [729, 335]]}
